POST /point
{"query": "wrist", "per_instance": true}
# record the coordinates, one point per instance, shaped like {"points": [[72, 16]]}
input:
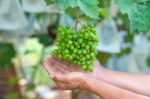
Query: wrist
{"points": [[88, 77], [92, 84]]}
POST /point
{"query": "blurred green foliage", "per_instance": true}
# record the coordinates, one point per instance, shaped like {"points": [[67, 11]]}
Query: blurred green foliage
{"points": [[89, 7], [12, 95], [148, 61], [138, 12], [44, 39], [13, 80], [7, 52]]}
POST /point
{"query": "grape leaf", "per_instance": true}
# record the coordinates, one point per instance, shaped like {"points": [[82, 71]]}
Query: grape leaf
{"points": [[63, 4], [138, 12], [89, 7], [48, 2]]}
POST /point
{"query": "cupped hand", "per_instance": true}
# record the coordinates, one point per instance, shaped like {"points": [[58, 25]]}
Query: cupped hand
{"points": [[67, 75]]}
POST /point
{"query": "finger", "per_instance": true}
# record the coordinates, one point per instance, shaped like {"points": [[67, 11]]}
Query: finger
{"points": [[59, 66], [61, 85], [61, 69], [48, 62], [61, 78], [65, 86], [64, 68], [48, 69], [58, 84], [56, 67], [49, 65], [71, 67]]}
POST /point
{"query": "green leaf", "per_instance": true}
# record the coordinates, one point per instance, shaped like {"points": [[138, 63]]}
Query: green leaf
{"points": [[63, 4], [138, 12], [48, 2], [124, 5], [140, 18], [104, 13], [89, 7], [7, 52]]}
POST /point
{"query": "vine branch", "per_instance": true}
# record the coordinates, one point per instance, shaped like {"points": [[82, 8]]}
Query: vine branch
{"points": [[77, 18]]}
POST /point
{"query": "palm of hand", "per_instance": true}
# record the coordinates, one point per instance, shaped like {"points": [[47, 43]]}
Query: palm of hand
{"points": [[67, 75]]}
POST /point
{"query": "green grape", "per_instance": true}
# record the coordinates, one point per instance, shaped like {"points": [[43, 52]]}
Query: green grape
{"points": [[79, 52], [69, 37], [85, 67], [87, 47], [78, 63], [75, 51], [74, 36], [92, 54], [86, 36], [80, 41], [95, 52], [87, 56], [73, 55], [91, 26], [90, 68], [62, 44], [84, 26], [66, 51], [83, 63], [93, 30], [83, 59], [75, 61], [55, 52], [67, 55], [70, 57], [78, 48], [93, 47], [71, 47], [62, 33], [70, 42], [60, 56], [84, 51]]}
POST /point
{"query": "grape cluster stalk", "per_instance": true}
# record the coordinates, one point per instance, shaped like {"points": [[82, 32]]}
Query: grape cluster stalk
{"points": [[79, 47]]}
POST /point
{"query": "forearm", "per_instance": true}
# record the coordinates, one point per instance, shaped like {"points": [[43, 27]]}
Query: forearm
{"points": [[108, 91], [137, 83]]}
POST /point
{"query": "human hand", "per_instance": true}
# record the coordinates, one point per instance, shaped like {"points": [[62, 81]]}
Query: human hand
{"points": [[68, 76]]}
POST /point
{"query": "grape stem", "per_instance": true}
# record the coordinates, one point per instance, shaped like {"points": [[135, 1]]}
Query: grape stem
{"points": [[77, 18]]}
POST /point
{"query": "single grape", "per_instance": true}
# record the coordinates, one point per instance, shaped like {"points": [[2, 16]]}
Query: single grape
{"points": [[70, 42], [87, 47], [84, 51], [90, 68], [87, 56], [79, 52], [85, 67]]}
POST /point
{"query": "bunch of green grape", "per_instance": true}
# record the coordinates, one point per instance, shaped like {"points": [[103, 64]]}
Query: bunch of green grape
{"points": [[77, 47]]}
